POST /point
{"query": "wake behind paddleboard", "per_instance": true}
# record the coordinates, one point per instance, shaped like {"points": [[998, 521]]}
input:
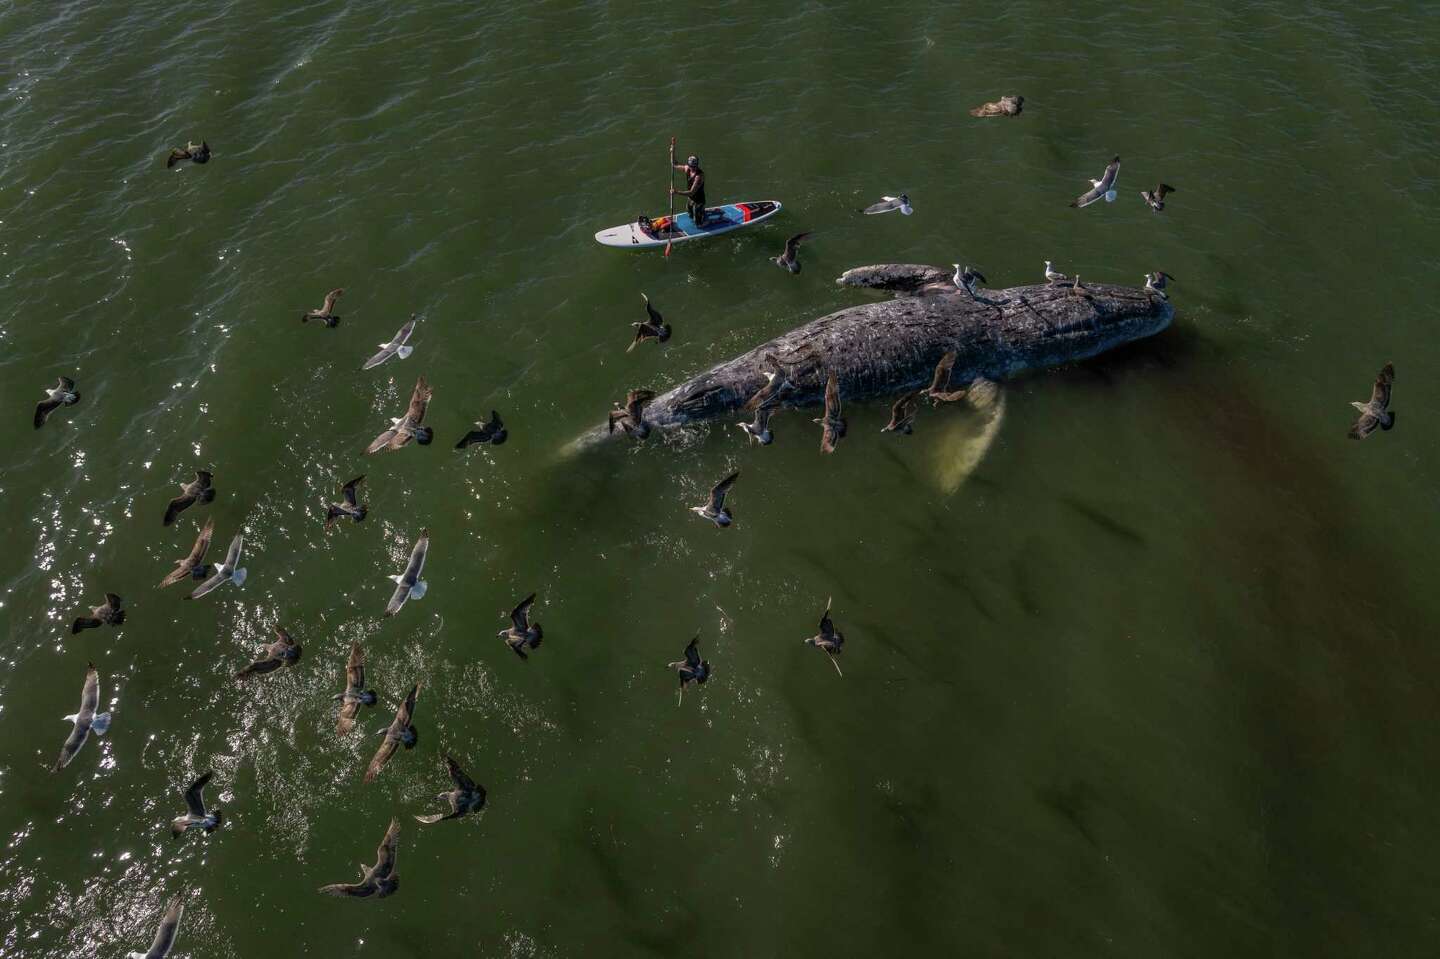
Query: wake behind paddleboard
{"points": [[650, 234]]}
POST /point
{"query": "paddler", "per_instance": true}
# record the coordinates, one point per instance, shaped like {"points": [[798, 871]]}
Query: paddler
{"points": [[694, 192]]}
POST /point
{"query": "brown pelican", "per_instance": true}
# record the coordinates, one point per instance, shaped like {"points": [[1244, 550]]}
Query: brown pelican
{"points": [[227, 572], [715, 509], [1105, 186], [832, 424], [1156, 198], [196, 816], [491, 431], [653, 327], [85, 721], [107, 613], [631, 416], [326, 312], [691, 669], [198, 490], [467, 796], [829, 638], [165, 933], [355, 694], [270, 657], [902, 414], [379, 880], [400, 732], [193, 153], [349, 505], [406, 428], [521, 632], [1376, 413], [63, 393], [408, 584], [396, 347], [193, 566]]}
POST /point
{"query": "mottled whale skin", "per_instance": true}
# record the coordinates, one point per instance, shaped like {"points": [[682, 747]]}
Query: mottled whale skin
{"points": [[879, 350]]}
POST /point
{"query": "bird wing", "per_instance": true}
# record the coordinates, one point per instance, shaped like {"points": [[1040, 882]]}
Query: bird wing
{"points": [[406, 712], [330, 299], [402, 335], [43, 409], [793, 244], [718, 491], [653, 313], [419, 400], [885, 205], [358, 889], [169, 926], [1162, 190], [1364, 426], [348, 490], [386, 351], [827, 626], [692, 653], [232, 555], [1380, 392], [388, 745], [1107, 179], [202, 544], [1089, 196], [458, 777], [832, 396], [635, 402], [941, 379], [385, 439], [385, 854], [397, 599], [520, 615], [355, 669], [89, 694], [216, 578], [417, 556], [178, 505], [194, 801]]}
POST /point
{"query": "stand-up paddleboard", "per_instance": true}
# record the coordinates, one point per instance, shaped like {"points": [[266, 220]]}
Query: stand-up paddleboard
{"points": [[646, 234]]}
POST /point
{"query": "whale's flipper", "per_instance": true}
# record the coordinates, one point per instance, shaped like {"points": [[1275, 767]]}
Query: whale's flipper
{"points": [[964, 433]]}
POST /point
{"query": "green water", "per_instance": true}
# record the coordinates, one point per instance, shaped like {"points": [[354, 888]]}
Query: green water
{"points": [[1156, 679]]}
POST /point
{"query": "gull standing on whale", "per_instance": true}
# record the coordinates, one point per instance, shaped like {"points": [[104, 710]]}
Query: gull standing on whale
{"points": [[165, 933], [85, 721], [193, 566], [355, 694], [400, 732], [1052, 275], [405, 428], [63, 393], [714, 508], [196, 816], [227, 572], [465, 798], [379, 880], [396, 347], [408, 584], [966, 278], [199, 490], [889, 204], [1375, 413], [1156, 282], [1105, 186], [326, 312]]}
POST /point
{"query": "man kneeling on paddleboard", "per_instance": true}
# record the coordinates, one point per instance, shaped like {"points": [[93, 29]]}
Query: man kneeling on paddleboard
{"points": [[694, 191]]}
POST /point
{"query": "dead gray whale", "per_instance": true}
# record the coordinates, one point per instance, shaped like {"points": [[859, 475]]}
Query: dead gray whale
{"points": [[879, 350]]}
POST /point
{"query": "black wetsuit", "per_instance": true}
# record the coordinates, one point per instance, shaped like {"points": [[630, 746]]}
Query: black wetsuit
{"points": [[694, 193]]}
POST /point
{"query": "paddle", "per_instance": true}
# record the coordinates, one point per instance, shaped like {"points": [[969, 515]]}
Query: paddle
{"points": [[671, 226]]}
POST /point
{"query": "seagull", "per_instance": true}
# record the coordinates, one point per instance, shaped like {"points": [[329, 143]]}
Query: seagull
{"points": [[377, 881], [107, 613], [193, 566], [715, 509], [832, 424], [1006, 106], [326, 312], [1156, 282], [938, 391], [396, 347], [196, 815], [829, 638], [1156, 197], [270, 657], [631, 416], [348, 505], [227, 571], [902, 414], [776, 383], [86, 720], [790, 258], [355, 694], [1376, 412], [193, 153], [467, 796], [198, 490], [1052, 275], [401, 731], [409, 585], [758, 429], [165, 933], [491, 431], [522, 632], [1105, 186], [63, 393], [653, 327], [1075, 288], [888, 204], [966, 279], [406, 428], [691, 669]]}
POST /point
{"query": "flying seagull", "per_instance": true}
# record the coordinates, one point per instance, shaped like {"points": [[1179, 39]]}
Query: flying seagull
{"points": [[467, 796], [631, 416], [406, 428], [1052, 275], [86, 720], [889, 204], [196, 816], [776, 383], [902, 414], [790, 258], [653, 327], [1156, 283], [400, 732], [228, 571], [691, 669], [832, 424], [355, 694], [758, 429], [1006, 106], [107, 613], [1156, 198], [270, 657], [829, 638], [63, 393], [521, 632], [491, 431], [193, 566], [165, 933], [396, 347], [1376, 412], [715, 509], [408, 584], [377, 881], [349, 504], [198, 490], [1105, 186], [193, 153], [966, 278], [326, 313]]}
